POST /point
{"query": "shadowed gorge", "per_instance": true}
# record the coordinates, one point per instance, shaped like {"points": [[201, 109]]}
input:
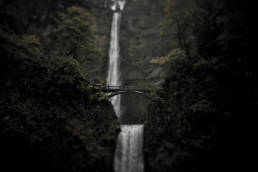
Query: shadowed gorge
{"points": [[127, 85]]}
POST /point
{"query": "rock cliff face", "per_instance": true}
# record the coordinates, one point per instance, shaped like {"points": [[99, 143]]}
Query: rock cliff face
{"points": [[141, 41]]}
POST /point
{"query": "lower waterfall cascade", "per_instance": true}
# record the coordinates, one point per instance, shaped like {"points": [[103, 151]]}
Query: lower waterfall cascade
{"points": [[129, 155]]}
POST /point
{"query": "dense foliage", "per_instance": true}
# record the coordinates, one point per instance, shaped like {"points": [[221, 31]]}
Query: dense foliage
{"points": [[203, 120], [53, 118], [51, 115]]}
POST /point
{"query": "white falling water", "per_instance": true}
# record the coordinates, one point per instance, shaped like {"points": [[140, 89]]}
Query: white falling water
{"points": [[129, 155], [117, 5], [113, 78]]}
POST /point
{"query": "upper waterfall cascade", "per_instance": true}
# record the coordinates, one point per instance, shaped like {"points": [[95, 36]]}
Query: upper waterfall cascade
{"points": [[114, 53]]}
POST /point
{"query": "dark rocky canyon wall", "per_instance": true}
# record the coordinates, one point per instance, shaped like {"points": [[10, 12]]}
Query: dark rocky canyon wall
{"points": [[141, 44]]}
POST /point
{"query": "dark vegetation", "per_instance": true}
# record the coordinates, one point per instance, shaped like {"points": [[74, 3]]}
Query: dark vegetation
{"points": [[203, 121], [51, 116], [53, 119]]}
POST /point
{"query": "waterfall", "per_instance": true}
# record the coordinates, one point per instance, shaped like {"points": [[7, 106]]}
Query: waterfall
{"points": [[113, 78], [128, 154]]}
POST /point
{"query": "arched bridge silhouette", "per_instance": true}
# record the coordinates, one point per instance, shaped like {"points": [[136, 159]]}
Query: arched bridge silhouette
{"points": [[118, 90]]}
